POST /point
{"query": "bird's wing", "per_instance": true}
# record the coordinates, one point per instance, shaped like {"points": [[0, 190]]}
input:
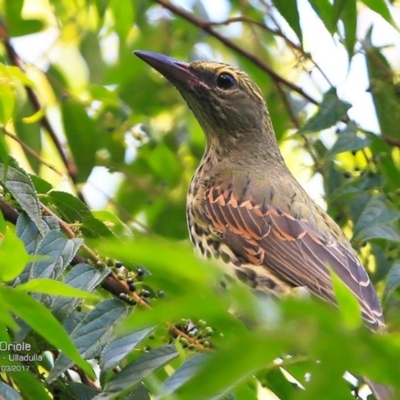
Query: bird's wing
{"points": [[292, 249]]}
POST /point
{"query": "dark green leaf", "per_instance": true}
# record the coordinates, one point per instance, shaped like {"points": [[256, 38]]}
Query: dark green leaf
{"points": [[349, 140], [184, 373], [18, 182], [93, 227], [82, 276], [346, 10], [18, 26], [331, 111], [384, 90], [81, 134], [70, 208], [28, 232], [348, 305], [58, 252], [392, 281], [289, 11], [82, 391], [118, 348], [374, 221], [42, 186], [92, 333], [324, 10], [136, 371]]}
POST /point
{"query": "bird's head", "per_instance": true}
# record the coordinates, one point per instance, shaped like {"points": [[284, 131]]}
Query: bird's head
{"points": [[228, 105]]}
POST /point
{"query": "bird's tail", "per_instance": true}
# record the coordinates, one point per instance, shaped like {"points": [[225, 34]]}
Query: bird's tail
{"points": [[381, 392]]}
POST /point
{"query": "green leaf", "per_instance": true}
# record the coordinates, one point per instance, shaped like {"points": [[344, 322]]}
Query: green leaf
{"points": [[92, 333], [18, 182], [30, 387], [384, 89], [349, 140], [91, 52], [324, 10], [82, 391], [13, 256], [381, 7], [43, 322], [82, 276], [183, 374], [276, 381], [93, 227], [374, 221], [140, 392], [59, 252], [28, 232], [246, 361], [346, 10], [288, 10], [69, 207], [7, 101], [118, 348], [392, 281], [331, 111], [114, 223], [18, 26], [123, 13], [357, 186], [136, 371], [164, 163], [54, 288], [29, 133], [3, 225], [81, 134], [41, 185], [348, 305]]}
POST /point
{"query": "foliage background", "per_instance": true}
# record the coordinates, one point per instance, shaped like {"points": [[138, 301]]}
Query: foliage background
{"points": [[103, 149]]}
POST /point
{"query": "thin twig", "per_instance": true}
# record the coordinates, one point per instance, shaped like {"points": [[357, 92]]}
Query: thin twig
{"points": [[31, 152]]}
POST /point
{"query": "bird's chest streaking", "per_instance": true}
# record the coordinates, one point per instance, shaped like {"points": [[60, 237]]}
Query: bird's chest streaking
{"points": [[207, 229]]}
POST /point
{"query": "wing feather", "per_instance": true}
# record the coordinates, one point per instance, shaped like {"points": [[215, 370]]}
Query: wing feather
{"points": [[290, 248]]}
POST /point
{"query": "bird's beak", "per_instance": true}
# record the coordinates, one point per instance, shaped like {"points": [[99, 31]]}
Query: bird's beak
{"points": [[177, 72]]}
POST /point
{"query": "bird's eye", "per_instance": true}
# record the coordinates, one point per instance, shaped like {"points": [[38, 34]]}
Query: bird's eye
{"points": [[225, 81]]}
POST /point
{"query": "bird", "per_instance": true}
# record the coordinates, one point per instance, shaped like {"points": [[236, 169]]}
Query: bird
{"points": [[246, 208]]}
